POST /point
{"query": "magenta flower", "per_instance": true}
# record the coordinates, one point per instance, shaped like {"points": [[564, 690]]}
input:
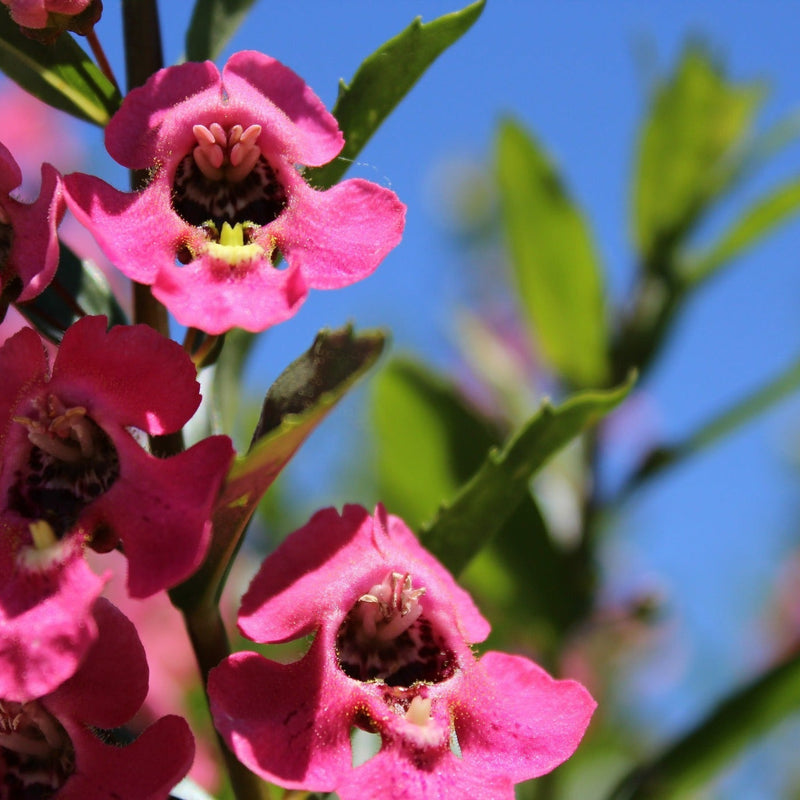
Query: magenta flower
{"points": [[391, 655], [226, 198], [28, 241], [72, 476], [49, 747], [45, 20]]}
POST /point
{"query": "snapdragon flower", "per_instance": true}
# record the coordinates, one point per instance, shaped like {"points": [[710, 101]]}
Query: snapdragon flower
{"points": [[73, 476], [51, 746], [226, 197], [28, 241], [392, 654]]}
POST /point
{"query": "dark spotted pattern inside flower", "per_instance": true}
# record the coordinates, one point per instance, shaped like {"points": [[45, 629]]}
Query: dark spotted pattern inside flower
{"points": [[258, 198], [56, 490], [6, 240], [417, 654], [36, 754]]}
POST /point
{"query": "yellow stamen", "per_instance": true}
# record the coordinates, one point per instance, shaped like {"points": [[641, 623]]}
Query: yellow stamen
{"points": [[42, 534], [231, 237]]}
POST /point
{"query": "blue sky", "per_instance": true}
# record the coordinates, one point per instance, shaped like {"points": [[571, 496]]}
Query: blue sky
{"points": [[714, 532]]}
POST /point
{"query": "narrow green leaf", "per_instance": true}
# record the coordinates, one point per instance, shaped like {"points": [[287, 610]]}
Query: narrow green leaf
{"points": [[710, 432], [486, 501], [298, 401], [696, 128], [384, 79], [212, 25], [62, 74], [754, 224], [78, 286], [553, 258], [735, 724], [428, 440], [533, 589], [227, 379], [756, 151]]}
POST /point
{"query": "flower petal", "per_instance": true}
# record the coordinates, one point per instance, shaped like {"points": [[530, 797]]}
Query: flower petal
{"points": [[314, 137], [339, 236], [160, 509], [518, 721], [144, 770], [281, 721], [153, 387], [111, 684], [45, 618], [389, 775], [216, 297], [139, 232], [134, 133]]}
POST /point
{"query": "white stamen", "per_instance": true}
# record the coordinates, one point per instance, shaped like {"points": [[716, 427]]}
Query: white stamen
{"points": [[227, 156], [419, 712]]}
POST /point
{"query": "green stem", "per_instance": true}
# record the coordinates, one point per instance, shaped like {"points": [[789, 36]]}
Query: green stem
{"points": [[100, 57], [210, 643], [143, 53]]}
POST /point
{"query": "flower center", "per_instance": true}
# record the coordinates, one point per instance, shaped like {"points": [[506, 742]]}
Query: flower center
{"points": [[36, 754], [72, 462], [386, 637], [6, 238], [227, 179]]}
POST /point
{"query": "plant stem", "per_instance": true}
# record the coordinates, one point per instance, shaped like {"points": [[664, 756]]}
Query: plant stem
{"points": [[100, 57], [143, 53], [210, 644]]}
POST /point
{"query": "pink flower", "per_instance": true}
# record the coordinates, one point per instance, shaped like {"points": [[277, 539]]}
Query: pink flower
{"points": [[226, 198], [45, 20], [28, 241], [73, 476], [49, 747], [392, 655]]}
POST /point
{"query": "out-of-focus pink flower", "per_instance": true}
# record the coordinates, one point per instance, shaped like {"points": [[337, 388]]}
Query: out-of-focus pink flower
{"points": [[226, 197], [392, 655], [73, 476], [45, 20], [28, 241], [174, 679], [28, 125], [49, 747]]}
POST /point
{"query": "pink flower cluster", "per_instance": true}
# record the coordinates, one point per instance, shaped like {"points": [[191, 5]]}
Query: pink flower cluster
{"points": [[224, 206]]}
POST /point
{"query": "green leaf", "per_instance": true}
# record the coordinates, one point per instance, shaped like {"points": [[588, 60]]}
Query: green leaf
{"points": [[695, 131], [735, 724], [78, 287], [298, 401], [754, 224], [533, 589], [227, 380], [60, 74], [212, 25], [384, 79], [486, 501], [428, 440], [553, 259]]}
